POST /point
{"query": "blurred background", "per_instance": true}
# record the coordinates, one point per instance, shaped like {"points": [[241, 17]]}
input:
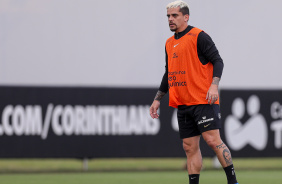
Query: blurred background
{"points": [[77, 78], [121, 43]]}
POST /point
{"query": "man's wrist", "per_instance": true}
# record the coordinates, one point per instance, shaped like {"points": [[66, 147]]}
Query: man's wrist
{"points": [[215, 81], [159, 96]]}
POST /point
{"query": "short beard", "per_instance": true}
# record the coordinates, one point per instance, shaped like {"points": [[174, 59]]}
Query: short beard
{"points": [[173, 30]]}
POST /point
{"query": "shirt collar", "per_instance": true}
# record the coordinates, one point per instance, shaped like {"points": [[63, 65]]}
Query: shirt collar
{"points": [[180, 34]]}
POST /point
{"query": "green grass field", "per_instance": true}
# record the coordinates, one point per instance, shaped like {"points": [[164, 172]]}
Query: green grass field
{"points": [[133, 171], [153, 177]]}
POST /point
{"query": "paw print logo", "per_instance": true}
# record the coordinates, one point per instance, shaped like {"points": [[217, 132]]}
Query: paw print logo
{"points": [[253, 132]]}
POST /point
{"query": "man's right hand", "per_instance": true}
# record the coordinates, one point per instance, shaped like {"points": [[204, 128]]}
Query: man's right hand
{"points": [[154, 108]]}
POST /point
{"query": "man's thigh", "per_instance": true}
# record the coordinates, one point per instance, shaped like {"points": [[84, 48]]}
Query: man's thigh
{"points": [[187, 125], [207, 117]]}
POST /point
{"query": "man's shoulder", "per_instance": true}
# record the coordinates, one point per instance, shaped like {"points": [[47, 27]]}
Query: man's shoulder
{"points": [[169, 39], [203, 37], [195, 30]]}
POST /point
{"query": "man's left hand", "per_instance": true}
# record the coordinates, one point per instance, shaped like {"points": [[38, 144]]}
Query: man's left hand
{"points": [[212, 95]]}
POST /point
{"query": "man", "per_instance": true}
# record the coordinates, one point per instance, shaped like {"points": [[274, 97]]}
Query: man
{"points": [[193, 72]]}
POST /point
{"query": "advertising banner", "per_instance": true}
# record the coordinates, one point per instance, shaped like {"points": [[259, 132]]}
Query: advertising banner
{"points": [[252, 122], [84, 122]]}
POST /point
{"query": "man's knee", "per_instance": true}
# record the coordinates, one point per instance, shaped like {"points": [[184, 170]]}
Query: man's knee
{"points": [[212, 143], [190, 147], [212, 138]]}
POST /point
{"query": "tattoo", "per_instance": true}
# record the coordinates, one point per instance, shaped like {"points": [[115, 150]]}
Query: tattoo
{"points": [[227, 157], [159, 95], [222, 145], [215, 80]]}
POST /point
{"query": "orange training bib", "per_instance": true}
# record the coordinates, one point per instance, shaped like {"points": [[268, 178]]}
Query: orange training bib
{"points": [[188, 79]]}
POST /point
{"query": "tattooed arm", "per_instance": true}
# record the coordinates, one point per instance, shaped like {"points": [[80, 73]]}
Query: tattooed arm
{"points": [[208, 52], [159, 95], [156, 104], [163, 89]]}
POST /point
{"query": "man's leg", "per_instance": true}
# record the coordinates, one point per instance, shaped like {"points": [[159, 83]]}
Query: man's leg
{"points": [[194, 158], [212, 138]]}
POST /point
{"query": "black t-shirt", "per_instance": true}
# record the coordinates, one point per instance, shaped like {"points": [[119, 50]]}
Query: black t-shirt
{"points": [[207, 52]]}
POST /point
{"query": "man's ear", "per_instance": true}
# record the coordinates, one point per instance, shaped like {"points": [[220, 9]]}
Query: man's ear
{"points": [[186, 17]]}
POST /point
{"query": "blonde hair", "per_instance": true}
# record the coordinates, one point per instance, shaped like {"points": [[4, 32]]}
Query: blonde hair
{"points": [[184, 7]]}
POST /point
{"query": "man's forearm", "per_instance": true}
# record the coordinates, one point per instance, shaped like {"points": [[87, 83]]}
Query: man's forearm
{"points": [[159, 95]]}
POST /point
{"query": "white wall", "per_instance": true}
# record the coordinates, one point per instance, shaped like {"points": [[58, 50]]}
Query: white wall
{"points": [[121, 43]]}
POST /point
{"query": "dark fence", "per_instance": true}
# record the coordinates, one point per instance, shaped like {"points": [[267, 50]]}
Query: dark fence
{"points": [[66, 122]]}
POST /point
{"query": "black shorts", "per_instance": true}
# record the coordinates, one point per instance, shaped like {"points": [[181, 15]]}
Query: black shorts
{"points": [[196, 119]]}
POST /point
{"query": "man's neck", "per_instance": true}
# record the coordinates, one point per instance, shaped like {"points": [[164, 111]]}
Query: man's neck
{"points": [[181, 30], [180, 34]]}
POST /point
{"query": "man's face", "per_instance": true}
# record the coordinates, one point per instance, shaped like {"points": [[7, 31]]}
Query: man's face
{"points": [[227, 156], [177, 21]]}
